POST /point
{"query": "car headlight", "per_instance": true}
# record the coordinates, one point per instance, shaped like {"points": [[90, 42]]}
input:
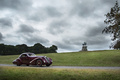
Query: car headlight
{"points": [[44, 61], [51, 60]]}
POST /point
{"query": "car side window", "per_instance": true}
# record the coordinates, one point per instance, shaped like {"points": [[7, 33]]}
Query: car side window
{"points": [[24, 55]]}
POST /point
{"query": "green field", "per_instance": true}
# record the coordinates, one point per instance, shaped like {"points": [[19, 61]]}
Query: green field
{"points": [[89, 58], [29, 73]]}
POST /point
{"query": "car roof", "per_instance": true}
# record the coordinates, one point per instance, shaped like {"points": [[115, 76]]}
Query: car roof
{"points": [[27, 53]]}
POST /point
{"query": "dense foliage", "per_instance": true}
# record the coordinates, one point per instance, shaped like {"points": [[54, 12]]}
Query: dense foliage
{"points": [[116, 45], [113, 25], [18, 49], [113, 22]]}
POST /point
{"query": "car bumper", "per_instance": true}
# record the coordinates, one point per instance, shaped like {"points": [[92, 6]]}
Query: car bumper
{"points": [[14, 62]]}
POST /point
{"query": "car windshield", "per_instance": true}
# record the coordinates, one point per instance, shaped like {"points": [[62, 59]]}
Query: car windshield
{"points": [[32, 55]]}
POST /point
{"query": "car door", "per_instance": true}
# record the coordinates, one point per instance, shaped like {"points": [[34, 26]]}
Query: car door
{"points": [[25, 59]]}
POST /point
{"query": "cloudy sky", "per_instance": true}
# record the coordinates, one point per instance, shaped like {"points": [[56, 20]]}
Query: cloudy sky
{"points": [[64, 23]]}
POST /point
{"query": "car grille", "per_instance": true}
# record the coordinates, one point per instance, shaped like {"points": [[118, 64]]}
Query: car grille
{"points": [[47, 59]]}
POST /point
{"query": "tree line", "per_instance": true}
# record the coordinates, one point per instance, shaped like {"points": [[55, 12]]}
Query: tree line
{"points": [[18, 49]]}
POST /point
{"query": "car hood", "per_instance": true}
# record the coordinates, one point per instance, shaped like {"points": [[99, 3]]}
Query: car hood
{"points": [[37, 56]]}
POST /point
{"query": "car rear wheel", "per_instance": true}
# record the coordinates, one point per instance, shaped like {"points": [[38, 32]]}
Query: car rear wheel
{"points": [[39, 63]]}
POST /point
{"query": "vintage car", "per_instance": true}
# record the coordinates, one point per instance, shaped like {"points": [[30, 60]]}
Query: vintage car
{"points": [[32, 59]]}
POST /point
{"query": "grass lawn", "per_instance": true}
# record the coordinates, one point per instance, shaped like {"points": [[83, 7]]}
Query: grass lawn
{"points": [[29, 73], [89, 58]]}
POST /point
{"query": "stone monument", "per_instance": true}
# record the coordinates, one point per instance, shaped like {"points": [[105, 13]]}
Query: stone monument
{"points": [[84, 47]]}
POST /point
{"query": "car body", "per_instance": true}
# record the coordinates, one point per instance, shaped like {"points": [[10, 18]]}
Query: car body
{"points": [[31, 59]]}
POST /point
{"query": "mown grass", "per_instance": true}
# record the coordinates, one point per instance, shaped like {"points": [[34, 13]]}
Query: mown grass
{"points": [[90, 58], [26, 73]]}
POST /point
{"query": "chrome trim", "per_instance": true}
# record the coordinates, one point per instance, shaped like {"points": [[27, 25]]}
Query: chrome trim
{"points": [[47, 59], [33, 60]]}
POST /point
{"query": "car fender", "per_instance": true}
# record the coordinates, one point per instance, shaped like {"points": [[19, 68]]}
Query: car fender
{"points": [[34, 60], [19, 60]]}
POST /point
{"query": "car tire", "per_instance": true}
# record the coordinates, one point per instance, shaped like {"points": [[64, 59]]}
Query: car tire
{"points": [[27, 64], [39, 63], [18, 64], [47, 65]]}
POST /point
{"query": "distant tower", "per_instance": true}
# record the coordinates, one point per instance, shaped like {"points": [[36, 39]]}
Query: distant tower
{"points": [[84, 47]]}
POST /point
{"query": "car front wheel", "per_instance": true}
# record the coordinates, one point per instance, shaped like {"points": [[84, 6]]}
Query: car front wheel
{"points": [[18, 64], [47, 65], [39, 63], [27, 64]]}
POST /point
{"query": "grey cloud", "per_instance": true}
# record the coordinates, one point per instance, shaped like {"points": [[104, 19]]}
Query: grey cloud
{"points": [[94, 35], [95, 30], [52, 11], [15, 4], [36, 17], [36, 39], [57, 27], [5, 22], [63, 45], [84, 8], [72, 41], [109, 2], [43, 13], [1, 37], [30, 35], [52, 15], [26, 29], [70, 44]]}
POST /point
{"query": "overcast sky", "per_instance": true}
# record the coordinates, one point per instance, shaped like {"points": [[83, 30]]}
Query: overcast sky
{"points": [[64, 23]]}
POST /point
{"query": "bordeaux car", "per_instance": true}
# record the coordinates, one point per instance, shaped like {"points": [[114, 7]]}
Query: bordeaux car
{"points": [[32, 59]]}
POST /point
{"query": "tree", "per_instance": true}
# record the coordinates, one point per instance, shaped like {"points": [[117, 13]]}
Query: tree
{"points": [[117, 45], [21, 48], [38, 48], [113, 24], [2, 49], [18, 49], [53, 49]]}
